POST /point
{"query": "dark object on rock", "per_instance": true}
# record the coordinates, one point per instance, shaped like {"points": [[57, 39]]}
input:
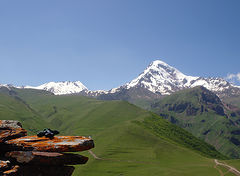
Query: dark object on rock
{"points": [[48, 133]]}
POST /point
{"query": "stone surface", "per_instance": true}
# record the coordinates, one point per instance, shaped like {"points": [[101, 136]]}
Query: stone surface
{"points": [[10, 124], [46, 158], [14, 171], [22, 155], [56, 144], [30, 170], [11, 133], [11, 129], [4, 165]]}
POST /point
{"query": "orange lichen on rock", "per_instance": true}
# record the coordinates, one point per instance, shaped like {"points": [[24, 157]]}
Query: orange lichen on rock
{"points": [[12, 172], [11, 133], [10, 129], [4, 164], [23, 155], [56, 144]]}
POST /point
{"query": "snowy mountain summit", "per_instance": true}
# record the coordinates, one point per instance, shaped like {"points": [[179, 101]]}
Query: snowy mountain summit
{"points": [[164, 79], [60, 88], [158, 78]]}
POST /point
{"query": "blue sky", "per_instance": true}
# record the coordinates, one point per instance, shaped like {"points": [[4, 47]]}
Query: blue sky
{"points": [[107, 43]]}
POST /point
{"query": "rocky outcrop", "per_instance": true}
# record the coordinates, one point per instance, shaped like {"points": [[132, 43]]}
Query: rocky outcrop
{"points": [[10, 124], [56, 144], [8, 133], [46, 158], [23, 155], [10, 129]]}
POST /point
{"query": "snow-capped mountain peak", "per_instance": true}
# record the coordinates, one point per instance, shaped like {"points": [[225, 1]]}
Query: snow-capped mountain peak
{"points": [[8, 86], [59, 88], [164, 79], [161, 77], [158, 77]]}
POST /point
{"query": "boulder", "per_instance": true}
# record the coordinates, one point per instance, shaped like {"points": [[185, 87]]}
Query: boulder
{"points": [[56, 144], [4, 165], [11, 129], [14, 171], [22, 155], [11, 133], [46, 158], [31, 170]]}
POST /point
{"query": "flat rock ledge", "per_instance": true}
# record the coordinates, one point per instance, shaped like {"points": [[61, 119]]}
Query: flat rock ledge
{"points": [[22, 155]]}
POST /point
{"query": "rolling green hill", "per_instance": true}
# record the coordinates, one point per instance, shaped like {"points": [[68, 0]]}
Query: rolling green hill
{"points": [[129, 140], [203, 114], [13, 107]]}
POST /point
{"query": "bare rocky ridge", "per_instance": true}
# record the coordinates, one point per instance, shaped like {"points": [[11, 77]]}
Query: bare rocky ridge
{"points": [[22, 155]]}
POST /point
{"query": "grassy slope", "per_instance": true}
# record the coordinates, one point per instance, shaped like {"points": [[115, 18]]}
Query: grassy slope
{"points": [[234, 163], [233, 100], [131, 148], [201, 123], [13, 109]]}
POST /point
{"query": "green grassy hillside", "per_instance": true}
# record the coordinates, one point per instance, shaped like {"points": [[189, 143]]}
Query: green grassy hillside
{"points": [[235, 100], [134, 151], [203, 114], [130, 141], [14, 108]]}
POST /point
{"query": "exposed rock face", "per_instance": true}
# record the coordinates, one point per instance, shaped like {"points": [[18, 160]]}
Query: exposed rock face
{"points": [[13, 171], [10, 124], [11, 133], [46, 158], [23, 155], [10, 129], [56, 144], [31, 170], [4, 165]]}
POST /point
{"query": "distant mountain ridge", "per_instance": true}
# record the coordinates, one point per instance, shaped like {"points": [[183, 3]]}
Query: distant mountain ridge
{"points": [[122, 130], [158, 78], [60, 88], [205, 115]]}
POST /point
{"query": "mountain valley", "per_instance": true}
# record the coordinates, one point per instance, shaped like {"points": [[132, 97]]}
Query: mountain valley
{"points": [[162, 121], [126, 136]]}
